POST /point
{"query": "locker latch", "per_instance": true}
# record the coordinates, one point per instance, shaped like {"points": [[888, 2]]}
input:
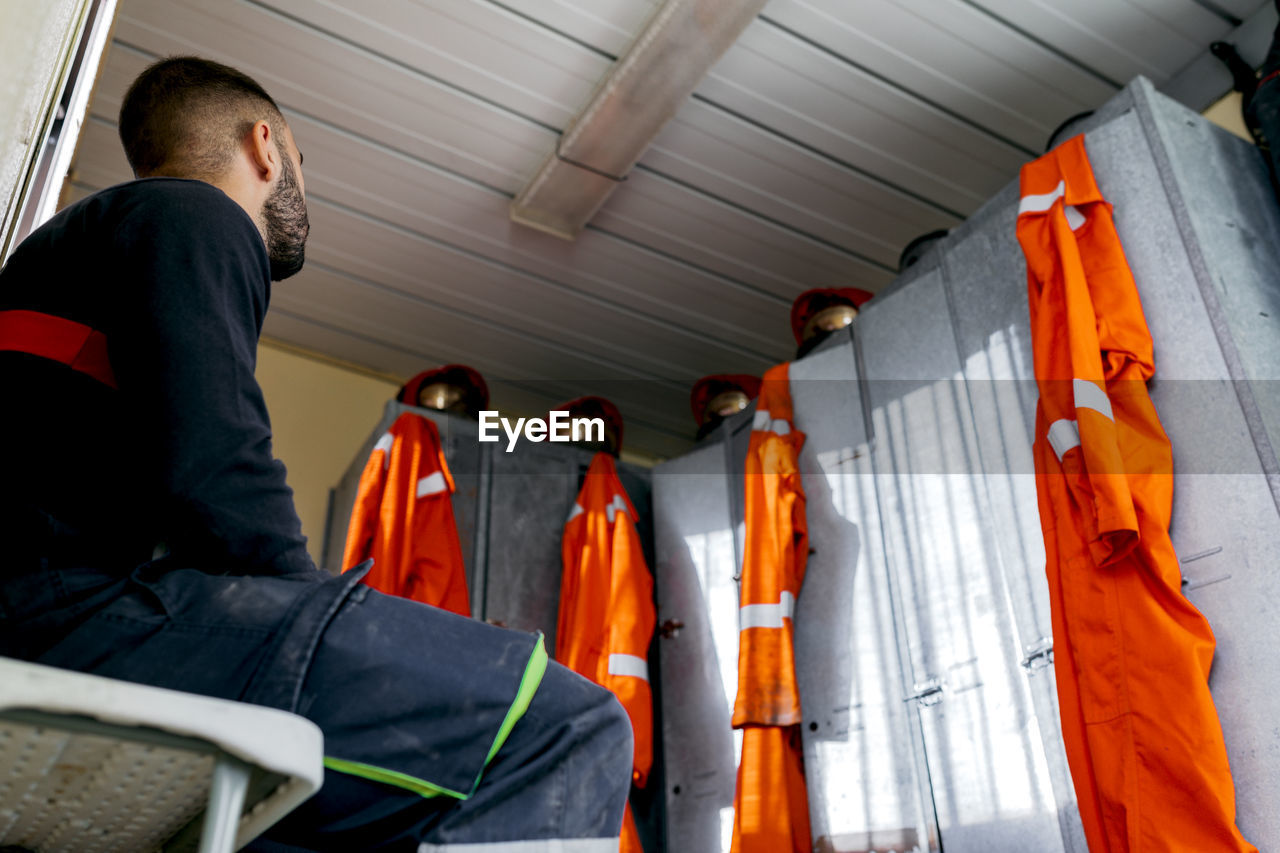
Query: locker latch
{"points": [[1038, 655], [927, 692]]}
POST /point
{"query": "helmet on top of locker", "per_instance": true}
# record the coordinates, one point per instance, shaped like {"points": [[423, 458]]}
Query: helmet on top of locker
{"points": [[597, 407], [719, 396], [453, 388], [819, 312]]}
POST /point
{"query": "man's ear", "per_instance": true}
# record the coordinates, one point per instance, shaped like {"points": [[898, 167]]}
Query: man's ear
{"points": [[263, 151]]}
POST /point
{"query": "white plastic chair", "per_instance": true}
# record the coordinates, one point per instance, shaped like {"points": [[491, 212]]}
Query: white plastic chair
{"points": [[95, 765]]}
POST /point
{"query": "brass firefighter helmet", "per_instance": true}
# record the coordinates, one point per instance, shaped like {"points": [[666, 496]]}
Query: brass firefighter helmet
{"points": [[719, 396], [597, 407], [817, 313], [451, 388]]}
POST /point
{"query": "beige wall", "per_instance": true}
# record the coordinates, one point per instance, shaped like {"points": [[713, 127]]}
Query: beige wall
{"points": [[320, 415], [1226, 114]]}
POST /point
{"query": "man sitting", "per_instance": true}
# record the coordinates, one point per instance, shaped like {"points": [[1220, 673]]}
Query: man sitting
{"points": [[149, 534]]}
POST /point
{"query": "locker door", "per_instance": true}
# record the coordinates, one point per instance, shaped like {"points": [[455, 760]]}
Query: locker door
{"points": [[986, 281], [695, 567], [531, 491], [991, 783], [867, 781], [1200, 230]]}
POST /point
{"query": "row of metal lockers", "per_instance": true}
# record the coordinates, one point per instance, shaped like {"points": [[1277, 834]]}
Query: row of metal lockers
{"points": [[924, 647]]}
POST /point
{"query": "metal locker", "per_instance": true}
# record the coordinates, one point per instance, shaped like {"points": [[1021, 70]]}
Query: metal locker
{"points": [[510, 510], [985, 277], [695, 565], [1199, 225], [1201, 230], [531, 491], [868, 786], [987, 763]]}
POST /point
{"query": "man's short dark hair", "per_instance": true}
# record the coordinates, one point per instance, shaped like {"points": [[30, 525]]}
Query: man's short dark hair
{"points": [[185, 116]]}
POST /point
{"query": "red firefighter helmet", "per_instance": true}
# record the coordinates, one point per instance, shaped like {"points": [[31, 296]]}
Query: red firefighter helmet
{"points": [[713, 395], [449, 388], [598, 407], [816, 312]]}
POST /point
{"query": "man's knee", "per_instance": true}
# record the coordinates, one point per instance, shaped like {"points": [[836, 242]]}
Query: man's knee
{"points": [[596, 713], [595, 737], [613, 725]]}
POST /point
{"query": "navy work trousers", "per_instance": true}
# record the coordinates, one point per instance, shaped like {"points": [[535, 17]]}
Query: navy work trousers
{"points": [[393, 684]]}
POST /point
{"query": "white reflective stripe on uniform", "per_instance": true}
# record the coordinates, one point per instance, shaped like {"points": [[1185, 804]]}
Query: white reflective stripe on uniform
{"points": [[765, 422], [574, 513], [432, 484], [632, 665], [1090, 396], [767, 615], [546, 845], [1041, 203], [1074, 217], [1063, 435], [384, 444], [617, 505]]}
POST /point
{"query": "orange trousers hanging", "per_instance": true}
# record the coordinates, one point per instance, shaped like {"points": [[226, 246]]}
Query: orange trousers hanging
{"points": [[1132, 655], [771, 806]]}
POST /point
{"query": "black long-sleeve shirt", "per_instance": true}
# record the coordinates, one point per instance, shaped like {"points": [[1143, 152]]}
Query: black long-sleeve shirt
{"points": [[176, 275]]}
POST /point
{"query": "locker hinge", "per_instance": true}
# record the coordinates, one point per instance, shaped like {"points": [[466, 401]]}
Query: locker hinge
{"points": [[927, 693], [1038, 655]]}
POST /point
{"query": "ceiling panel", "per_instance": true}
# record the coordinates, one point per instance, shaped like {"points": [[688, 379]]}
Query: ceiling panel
{"points": [[606, 25], [522, 399], [830, 104], [828, 137], [725, 239], [478, 47], [314, 74], [1117, 38], [746, 165], [953, 57], [363, 310], [1240, 9]]}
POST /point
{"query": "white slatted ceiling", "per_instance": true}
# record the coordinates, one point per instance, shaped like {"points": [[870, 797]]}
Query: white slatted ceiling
{"points": [[827, 138], [1118, 38]]}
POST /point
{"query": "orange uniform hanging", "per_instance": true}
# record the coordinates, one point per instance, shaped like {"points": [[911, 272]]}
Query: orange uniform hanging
{"points": [[771, 806], [1132, 654], [403, 519], [607, 613]]}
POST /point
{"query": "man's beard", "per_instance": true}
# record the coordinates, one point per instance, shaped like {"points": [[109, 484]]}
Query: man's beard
{"points": [[285, 215]]}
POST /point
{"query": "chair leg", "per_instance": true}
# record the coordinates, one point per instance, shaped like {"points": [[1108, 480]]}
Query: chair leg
{"points": [[226, 803]]}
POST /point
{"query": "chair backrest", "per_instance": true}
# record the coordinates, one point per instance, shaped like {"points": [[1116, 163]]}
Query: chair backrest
{"points": [[94, 765]]}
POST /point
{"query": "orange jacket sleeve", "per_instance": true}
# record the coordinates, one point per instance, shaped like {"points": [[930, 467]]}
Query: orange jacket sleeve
{"points": [[1092, 338], [775, 553], [363, 524]]}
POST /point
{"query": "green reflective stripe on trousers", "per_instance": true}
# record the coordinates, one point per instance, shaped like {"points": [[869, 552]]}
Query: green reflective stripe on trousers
{"points": [[533, 673], [390, 777], [529, 682]]}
